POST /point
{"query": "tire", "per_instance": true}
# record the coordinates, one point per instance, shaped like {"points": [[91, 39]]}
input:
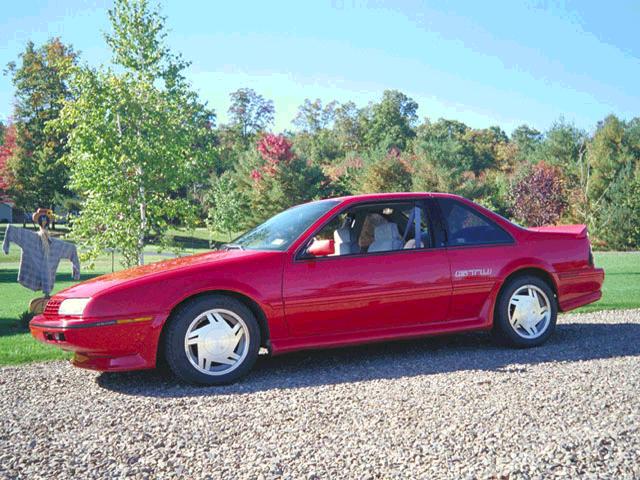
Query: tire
{"points": [[526, 312], [212, 340]]}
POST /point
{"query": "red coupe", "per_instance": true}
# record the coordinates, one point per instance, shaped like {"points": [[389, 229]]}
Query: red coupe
{"points": [[324, 274]]}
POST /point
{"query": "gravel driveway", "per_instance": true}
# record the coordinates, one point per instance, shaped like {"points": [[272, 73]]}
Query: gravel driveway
{"points": [[456, 407]]}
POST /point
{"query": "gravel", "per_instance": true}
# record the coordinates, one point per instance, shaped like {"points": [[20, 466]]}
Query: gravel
{"points": [[454, 407]]}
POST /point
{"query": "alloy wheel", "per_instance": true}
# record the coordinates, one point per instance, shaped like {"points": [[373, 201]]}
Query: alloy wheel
{"points": [[529, 312], [217, 341]]}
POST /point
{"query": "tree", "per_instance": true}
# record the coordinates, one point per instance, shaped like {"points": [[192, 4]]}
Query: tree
{"points": [[538, 197], [320, 148], [485, 144], [313, 116], [614, 146], [136, 141], [561, 147], [272, 178], [391, 122], [384, 172], [7, 148], [344, 175], [315, 139], [473, 150], [443, 156], [41, 82], [249, 112], [347, 126], [611, 163], [275, 150], [527, 140], [490, 189], [442, 129], [225, 206], [618, 224], [445, 146], [138, 43]]}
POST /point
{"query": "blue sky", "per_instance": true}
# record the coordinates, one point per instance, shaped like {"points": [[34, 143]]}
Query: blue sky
{"points": [[484, 63]]}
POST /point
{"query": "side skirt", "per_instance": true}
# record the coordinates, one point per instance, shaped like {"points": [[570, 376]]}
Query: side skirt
{"points": [[285, 345]]}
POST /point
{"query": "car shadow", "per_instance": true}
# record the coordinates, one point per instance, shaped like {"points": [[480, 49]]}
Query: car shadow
{"points": [[572, 342]]}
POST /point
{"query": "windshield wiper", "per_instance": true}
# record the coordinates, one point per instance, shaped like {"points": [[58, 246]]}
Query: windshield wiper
{"points": [[232, 246]]}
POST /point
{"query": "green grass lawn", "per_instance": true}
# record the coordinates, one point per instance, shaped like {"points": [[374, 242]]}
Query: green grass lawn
{"points": [[621, 281], [621, 290]]}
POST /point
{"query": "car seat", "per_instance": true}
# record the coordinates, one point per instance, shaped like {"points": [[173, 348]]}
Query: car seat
{"points": [[371, 221], [411, 243], [344, 245], [386, 237]]}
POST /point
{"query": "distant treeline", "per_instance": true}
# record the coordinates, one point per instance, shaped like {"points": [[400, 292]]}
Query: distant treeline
{"points": [[133, 149]]}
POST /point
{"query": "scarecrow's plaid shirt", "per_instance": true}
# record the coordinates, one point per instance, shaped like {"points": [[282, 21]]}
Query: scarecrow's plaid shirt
{"points": [[38, 270]]}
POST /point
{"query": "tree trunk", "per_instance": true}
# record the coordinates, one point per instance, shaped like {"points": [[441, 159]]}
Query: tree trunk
{"points": [[143, 229], [143, 218]]}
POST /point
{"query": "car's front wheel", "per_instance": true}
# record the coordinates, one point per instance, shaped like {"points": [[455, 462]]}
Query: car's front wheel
{"points": [[526, 312], [212, 340]]}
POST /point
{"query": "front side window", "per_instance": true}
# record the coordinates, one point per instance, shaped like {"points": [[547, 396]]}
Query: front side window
{"points": [[282, 230], [465, 226], [372, 228]]}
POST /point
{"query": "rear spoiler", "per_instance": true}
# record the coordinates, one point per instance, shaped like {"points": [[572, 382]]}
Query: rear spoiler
{"points": [[578, 231]]}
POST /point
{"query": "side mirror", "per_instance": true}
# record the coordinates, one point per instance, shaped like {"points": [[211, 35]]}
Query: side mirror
{"points": [[321, 248]]}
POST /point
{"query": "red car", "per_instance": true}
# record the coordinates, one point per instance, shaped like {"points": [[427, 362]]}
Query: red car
{"points": [[324, 274]]}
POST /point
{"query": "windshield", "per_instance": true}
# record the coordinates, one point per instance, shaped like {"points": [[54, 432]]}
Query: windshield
{"points": [[280, 231]]}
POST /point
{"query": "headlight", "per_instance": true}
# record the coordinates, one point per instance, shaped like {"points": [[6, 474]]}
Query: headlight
{"points": [[73, 306]]}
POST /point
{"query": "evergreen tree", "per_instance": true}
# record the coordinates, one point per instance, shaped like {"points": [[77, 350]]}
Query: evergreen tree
{"points": [[41, 81]]}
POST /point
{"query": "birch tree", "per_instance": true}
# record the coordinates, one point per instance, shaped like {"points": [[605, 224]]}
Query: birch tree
{"points": [[136, 137]]}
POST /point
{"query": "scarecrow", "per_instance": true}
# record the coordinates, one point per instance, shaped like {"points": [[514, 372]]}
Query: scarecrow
{"points": [[40, 257]]}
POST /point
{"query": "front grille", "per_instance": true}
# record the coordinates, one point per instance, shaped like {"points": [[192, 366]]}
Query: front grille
{"points": [[51, 310]]}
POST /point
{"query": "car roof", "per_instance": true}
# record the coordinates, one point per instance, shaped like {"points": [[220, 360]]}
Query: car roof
{"points": [[392, 196]]}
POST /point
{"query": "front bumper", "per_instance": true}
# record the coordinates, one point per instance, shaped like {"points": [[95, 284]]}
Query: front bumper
{"points": [[103, 344]]}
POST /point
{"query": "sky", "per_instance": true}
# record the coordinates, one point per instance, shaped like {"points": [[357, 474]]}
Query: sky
{"points": [[484, 63]]}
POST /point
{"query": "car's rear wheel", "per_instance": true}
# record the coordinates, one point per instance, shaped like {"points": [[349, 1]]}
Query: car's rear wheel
{"points": [[212, 340], [526, 312]]}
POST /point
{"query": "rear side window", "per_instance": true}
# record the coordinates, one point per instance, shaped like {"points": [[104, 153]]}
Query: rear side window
{"points": [[465, 226]]}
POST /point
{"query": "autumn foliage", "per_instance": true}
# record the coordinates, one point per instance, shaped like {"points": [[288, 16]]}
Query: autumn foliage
{"points": [[538, 197], [276, 152], [6, 150]]}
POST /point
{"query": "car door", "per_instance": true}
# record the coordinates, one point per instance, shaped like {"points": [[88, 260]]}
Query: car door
{"points": [[476, 249], [364, 291]]}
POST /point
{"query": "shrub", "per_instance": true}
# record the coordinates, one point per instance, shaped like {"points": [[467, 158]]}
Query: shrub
{"points": [[385, 173], [538, 196]]}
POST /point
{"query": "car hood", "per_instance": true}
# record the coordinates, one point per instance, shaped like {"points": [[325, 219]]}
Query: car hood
{"points": [[105, 282]]}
